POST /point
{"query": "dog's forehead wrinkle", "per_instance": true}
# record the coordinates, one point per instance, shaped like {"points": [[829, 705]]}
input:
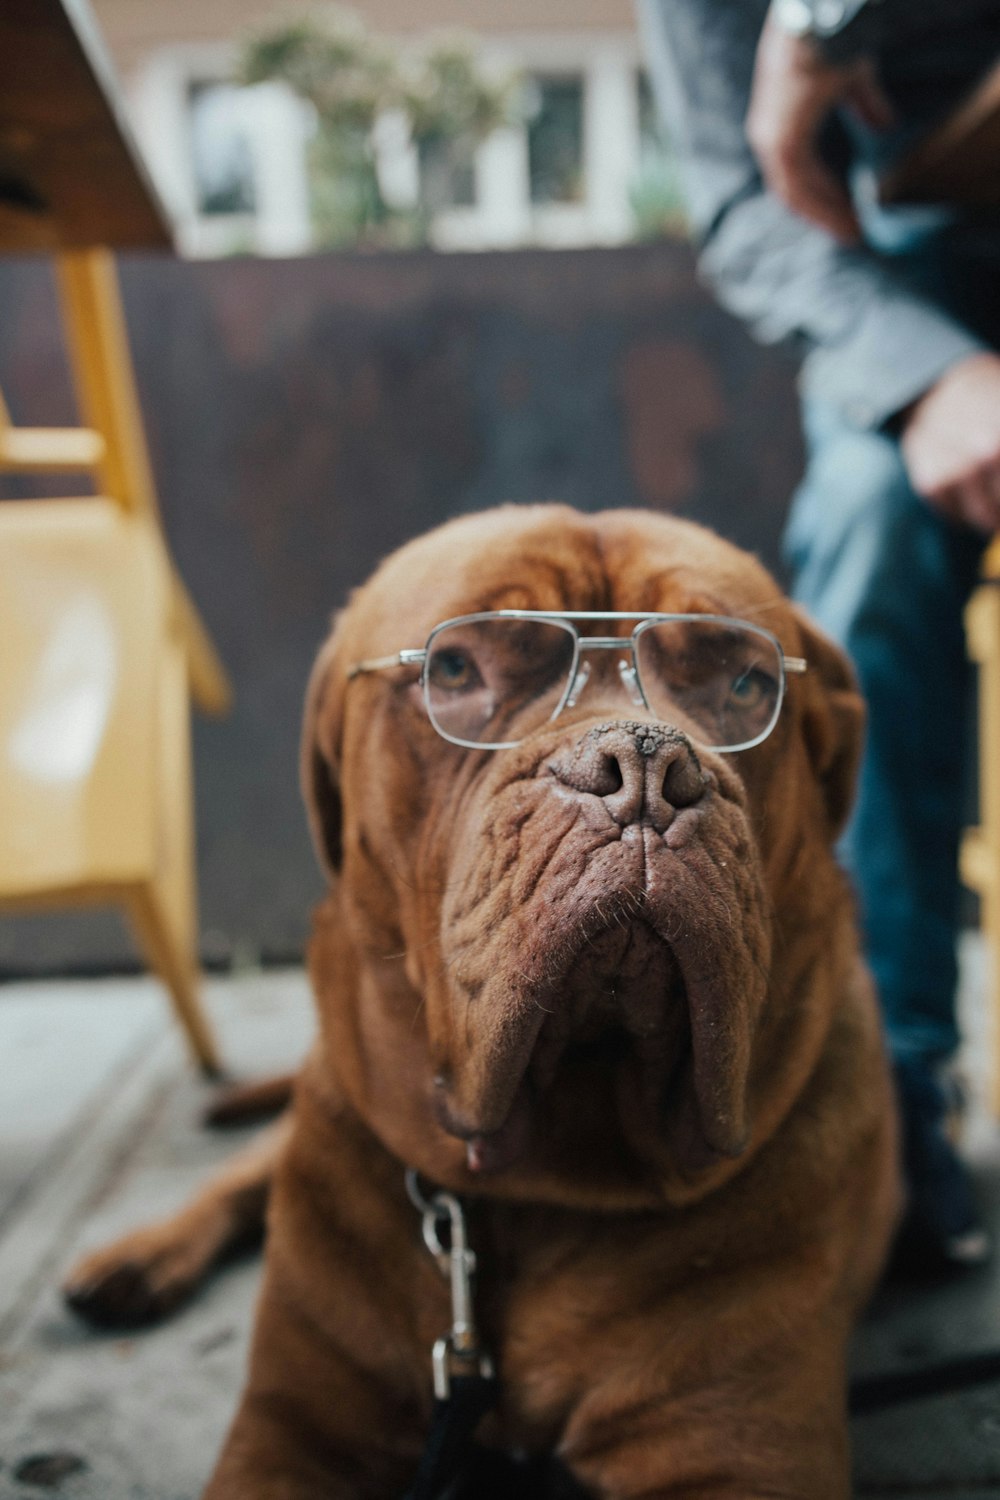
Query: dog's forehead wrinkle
{"points": [[535, 568], [541, 588], [586, 578], [550, 558]]}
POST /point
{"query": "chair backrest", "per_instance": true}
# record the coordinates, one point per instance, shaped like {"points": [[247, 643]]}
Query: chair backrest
{"points": [[84, 616]]}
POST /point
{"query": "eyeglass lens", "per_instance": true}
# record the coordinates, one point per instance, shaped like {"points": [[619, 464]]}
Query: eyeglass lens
{"points": [[483, 677], [725, 678], [493, 682]]}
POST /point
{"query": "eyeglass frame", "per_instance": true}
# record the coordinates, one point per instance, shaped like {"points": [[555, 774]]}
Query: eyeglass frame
{"points": [[419, 656]]}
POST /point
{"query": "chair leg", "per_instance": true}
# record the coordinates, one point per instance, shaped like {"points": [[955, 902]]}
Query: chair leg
{"points": [[989, 768], [163, 910], [981, 855], [179, 972], [99, 353]]}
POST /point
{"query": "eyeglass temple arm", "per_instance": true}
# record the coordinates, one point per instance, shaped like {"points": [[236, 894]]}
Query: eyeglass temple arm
{"points": [[795, 663], [410, 657]]}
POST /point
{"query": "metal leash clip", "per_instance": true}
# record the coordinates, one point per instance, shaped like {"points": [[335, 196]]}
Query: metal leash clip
{"points": [[458, 1353]]}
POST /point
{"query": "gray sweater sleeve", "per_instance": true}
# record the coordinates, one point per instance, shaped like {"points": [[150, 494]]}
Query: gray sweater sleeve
{"points": [[871, 343]]}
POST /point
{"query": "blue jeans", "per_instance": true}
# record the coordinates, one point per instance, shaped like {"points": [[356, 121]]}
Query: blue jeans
{"points": [[888, 578]]}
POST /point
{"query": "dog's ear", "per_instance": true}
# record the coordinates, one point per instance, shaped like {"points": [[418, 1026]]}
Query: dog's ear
{"points": [[833, 720], [320, 756]]}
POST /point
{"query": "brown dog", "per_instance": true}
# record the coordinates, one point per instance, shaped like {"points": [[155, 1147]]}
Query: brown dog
{"points": [[604, 983]]}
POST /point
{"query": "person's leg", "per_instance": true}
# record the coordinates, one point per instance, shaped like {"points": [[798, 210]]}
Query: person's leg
{"points": [[888, 578]]}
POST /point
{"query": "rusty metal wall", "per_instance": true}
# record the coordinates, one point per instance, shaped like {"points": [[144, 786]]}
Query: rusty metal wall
{"points": [[307, 416]]}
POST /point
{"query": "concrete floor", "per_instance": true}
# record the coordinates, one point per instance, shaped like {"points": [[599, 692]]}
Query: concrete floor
{"points": [[99, 1131]]}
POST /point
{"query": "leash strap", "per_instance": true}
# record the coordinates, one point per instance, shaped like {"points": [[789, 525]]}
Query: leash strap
{"points": [[449, 1446], [465, 1385]]}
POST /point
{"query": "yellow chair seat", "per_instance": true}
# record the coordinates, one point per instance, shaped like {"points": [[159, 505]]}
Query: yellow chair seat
{"points": [[95, 783], [84, 600]]}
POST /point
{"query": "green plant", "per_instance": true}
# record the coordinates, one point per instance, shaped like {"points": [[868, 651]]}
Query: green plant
{"points": [[351, 81]]}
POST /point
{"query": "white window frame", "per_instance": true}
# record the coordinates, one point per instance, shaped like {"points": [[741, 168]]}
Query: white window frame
{"points": [[278, 129], [504, 216]]}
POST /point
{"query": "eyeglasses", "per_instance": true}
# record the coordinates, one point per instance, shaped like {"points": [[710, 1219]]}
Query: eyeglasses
{"points": [[490, 680]]}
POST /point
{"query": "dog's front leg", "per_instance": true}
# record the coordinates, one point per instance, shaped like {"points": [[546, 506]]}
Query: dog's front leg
{"points": [[784, 1440], [822, 1475], [145, 1275], [331, 1410], [339, 1395]]}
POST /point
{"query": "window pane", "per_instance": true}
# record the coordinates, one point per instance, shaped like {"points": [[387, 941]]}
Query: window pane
{"points": [[555, 139], [220, 150]]}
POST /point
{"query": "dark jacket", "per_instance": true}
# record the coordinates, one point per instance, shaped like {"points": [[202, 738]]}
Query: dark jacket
{"points": [[879, 323]]}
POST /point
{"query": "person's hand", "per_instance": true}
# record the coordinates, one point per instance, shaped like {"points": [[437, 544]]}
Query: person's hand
{"points": [[794, 89], [951, 442]]}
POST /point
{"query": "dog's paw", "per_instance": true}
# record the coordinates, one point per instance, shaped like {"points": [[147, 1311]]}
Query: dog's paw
{"points": [[249, 1103], [134, 1282]]}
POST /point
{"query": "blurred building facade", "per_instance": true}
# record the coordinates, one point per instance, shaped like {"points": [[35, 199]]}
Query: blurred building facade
{"points": [[584, 164]]}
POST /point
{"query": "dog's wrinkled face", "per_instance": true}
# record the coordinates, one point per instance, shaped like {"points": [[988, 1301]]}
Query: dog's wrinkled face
{"points": [[590, 922]]}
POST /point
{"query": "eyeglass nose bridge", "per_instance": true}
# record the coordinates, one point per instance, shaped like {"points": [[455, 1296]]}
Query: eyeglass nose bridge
{"points": [[626, 669]]}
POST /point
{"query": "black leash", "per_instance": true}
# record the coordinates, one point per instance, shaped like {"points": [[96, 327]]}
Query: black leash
{"points": [[449, 1449]]}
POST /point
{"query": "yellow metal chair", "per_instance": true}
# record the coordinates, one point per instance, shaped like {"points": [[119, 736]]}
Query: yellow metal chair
{"points": [[102, 650], [980, 862]]}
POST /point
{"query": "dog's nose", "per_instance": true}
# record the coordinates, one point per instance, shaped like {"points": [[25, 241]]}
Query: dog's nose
{"points": [[642, 772]]}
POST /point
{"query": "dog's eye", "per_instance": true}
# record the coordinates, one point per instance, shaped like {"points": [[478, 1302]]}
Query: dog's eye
{"points": [[752, 688], [453, 671]]}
